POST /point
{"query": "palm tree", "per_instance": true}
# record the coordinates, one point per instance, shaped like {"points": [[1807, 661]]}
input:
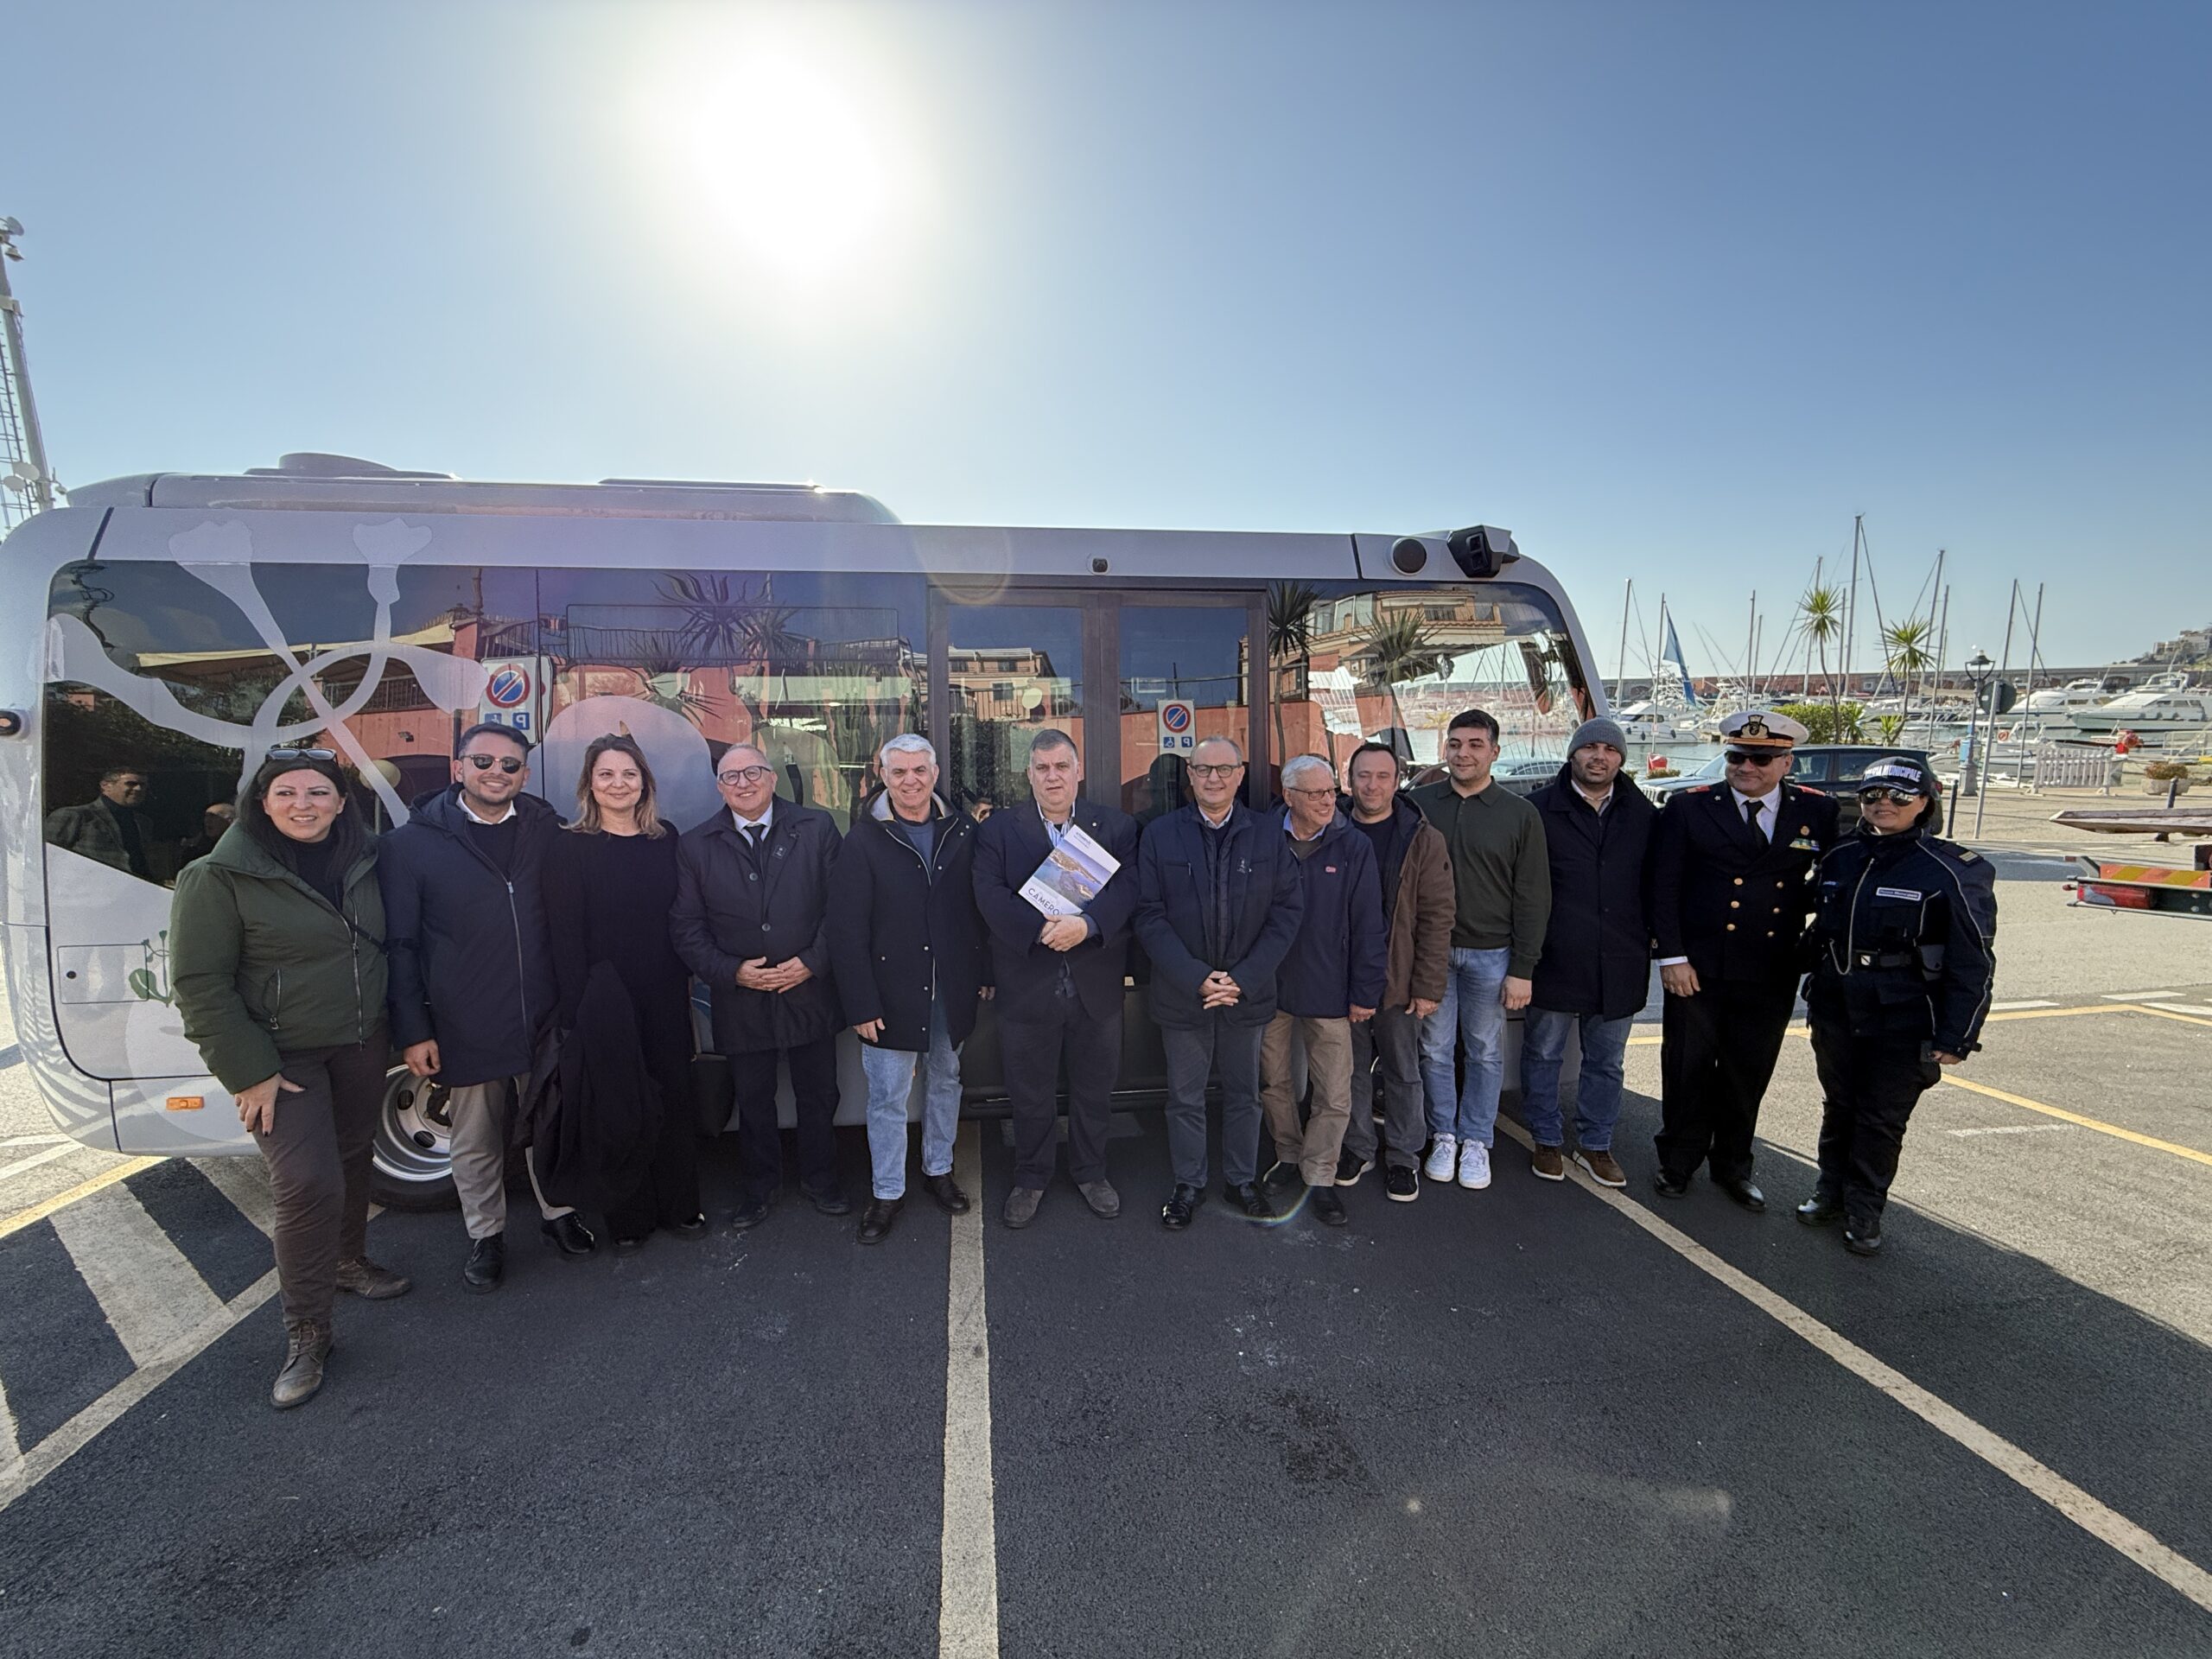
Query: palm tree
{"points": [[1905, 648], [1400, 648], [1290, 639], [1820, 613]]}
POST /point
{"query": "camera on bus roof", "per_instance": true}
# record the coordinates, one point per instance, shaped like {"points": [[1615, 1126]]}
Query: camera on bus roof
{"points": [[1482, 549]]}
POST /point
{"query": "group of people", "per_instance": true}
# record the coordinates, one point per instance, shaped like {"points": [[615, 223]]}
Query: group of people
{"points": [[1383, 934]]}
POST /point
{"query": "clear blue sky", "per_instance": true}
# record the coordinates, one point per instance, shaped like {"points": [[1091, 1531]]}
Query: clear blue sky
{"points": [[1672, 290]]}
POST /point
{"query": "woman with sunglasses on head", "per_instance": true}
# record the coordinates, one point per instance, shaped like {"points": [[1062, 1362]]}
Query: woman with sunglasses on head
{"points": [[1902, 975], [609, 886], [277, 954]]}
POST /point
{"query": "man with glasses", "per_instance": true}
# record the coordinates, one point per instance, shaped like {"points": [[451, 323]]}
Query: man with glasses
{"points": [[472, 980], [108, 827], [1501, 892], [751, 920], [1060, 977], [1218, 903], [1730, 869], [1331, 980]]}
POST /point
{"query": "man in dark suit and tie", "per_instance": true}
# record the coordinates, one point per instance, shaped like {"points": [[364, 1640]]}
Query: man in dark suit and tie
{"points": [[1060, 977], [1729, 869]]}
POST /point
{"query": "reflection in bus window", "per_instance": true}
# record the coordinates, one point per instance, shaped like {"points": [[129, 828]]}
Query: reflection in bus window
{"points": [[1012, 671], [818, 669], [167, 681], [1392, 663], [1171, 654]]}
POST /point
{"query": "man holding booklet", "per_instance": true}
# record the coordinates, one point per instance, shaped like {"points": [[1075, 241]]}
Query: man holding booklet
{"points": [[1051, 886]]}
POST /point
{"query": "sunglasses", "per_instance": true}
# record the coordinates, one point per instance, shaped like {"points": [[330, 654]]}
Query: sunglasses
{"points": [[1882, 793], [744, 775], [302, 754], [507, 763], [1745, 758]]}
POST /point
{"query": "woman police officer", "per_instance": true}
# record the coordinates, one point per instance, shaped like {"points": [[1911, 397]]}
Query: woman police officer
{"points": [[1901, 980]]}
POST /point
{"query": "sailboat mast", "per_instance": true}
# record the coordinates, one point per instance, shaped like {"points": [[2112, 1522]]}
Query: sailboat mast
{"points": [[1751, 653], [1850, 601], [1620, 686]]}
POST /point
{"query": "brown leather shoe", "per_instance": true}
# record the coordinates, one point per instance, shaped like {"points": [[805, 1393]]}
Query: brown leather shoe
{"points": [[1603, 1168], [1547, 1164], [306, 1346], [372, 1283]]}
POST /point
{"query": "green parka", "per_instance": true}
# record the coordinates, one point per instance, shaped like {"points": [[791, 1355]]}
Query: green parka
{"points": [[263, 967]]}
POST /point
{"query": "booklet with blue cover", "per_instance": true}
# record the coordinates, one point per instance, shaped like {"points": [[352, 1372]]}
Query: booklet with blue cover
{"points": [[1071, 874]]}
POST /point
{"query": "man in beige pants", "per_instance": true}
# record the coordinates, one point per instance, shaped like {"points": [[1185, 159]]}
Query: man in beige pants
{"points": [[1332, 976]]}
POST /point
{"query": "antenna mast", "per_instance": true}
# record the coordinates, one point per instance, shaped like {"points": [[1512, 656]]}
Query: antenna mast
{"points": [[27, 485]]}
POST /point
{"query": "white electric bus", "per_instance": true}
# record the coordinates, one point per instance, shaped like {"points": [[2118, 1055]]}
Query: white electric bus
{"points": [[163, 632]]}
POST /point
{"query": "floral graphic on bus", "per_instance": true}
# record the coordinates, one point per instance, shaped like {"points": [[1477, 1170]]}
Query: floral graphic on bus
{"points": [[221, 555], [151, 983]]}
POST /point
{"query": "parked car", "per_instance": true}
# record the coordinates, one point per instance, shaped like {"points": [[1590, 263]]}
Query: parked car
{"points": [[1835, 768]]}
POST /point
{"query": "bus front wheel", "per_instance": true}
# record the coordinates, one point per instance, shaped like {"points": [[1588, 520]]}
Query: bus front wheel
{"points": [[412, 1161]]}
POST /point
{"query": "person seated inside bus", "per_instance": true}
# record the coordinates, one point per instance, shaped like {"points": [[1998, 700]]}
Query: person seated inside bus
{"points": [[109, 827]]}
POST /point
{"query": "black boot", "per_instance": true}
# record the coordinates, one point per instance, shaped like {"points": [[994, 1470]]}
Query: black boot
{"points": [[568, 1235], [306, 1346]]}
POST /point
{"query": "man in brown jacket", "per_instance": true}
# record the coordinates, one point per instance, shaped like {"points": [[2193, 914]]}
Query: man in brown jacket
{"points": [[1418, 908]]}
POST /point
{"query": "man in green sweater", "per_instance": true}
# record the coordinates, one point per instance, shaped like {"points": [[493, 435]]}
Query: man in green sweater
{"points": [[1501, 876]]}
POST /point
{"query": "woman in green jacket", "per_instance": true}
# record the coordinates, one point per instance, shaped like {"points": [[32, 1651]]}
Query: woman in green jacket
{"points": [[277, 943]]}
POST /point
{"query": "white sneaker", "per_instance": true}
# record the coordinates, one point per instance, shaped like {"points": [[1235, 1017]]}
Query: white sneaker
{"points": [[1474, 1165], [1441, 1157]]}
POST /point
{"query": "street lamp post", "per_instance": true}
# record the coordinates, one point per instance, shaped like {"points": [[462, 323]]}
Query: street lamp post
{"points": [[1978, 671]]}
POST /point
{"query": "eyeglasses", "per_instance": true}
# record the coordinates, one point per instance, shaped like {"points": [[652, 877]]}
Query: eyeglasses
{"points": [[1745, 758], [1882, 793], [1210, 771], [744, 775], [507, 763], [302, 754], [1316, 793]]}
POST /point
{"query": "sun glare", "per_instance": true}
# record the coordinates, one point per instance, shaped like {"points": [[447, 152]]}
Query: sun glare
{"points": [[793, 166]]}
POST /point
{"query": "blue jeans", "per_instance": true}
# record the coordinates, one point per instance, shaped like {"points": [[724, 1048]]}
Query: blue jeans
{"points": [[1472, 1013], [890, 1085], [1597, 1096]]}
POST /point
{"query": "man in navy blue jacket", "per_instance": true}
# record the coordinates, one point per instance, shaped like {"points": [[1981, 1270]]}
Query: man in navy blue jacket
{"points": [[1060, 977], [1332, 978], [472, 981], [1218, 903]]}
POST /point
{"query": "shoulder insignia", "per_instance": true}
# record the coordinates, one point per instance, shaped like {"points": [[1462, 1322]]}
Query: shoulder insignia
{"points": [[1807, 789], [1967, 856], [1699, 789]]}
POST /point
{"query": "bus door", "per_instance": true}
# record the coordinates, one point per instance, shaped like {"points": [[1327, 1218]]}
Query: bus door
{"points": [[1137, 679]]}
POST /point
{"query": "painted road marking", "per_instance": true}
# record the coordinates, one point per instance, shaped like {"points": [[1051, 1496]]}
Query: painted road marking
{"points": [[46, 1157], [244, 1182], [2014, 1129], [62, 1201], [15, 1141], [19, 1475], [2132, 996], [2014, 1007], [2181, 1008], [2107, 1525], [11, 1440], [2169, 1014], [2098, 1124], [967, 1560], [153, 1297]]}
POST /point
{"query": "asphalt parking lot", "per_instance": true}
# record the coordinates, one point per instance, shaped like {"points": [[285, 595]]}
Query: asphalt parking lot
{"points": [[1532, 1419]]}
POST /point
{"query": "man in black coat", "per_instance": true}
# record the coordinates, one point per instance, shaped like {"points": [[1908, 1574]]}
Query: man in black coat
{"points": [[1218, 903], [907, 949], [1596, 968], [751, 921], [472, 980], [1061, 977], [1731, 866]]}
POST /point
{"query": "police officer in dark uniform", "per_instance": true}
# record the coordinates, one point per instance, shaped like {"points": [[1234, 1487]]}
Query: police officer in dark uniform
{"points": [[1730, 875], [1902, 973]]}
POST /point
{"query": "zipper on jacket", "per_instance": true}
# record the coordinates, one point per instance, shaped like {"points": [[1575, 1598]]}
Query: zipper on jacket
{"points": [[522, 967], [929, 881], [277, 1001]]}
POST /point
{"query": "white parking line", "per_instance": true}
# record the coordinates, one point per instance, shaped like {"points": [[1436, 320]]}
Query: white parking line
{"points": [[11, 1445], [2014, 1007], [46, 1157], [153, 1297], [2107, 1525], [2179, 1007], [244, 1182], [2014, 1129], [967, 1560], [19, 1475]]}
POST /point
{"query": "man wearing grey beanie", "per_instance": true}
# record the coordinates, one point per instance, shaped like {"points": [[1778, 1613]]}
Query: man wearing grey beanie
{"points": [[1596, 967]]}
